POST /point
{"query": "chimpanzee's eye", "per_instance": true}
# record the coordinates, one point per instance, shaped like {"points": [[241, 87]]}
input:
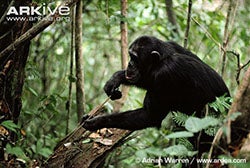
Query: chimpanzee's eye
{"points": [[133, 57], [131, 63]]}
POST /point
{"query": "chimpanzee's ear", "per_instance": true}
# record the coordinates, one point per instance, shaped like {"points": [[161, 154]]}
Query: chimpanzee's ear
{"points": [[156, 55]]}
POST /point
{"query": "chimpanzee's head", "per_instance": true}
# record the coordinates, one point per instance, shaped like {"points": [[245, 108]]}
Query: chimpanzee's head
{"points": [[145, 53]]}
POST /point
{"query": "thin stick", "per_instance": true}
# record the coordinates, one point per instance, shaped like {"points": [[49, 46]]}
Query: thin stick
{"points": [[6, 11], [188, 23], [215, 140], [226, 37], [80, 124]]}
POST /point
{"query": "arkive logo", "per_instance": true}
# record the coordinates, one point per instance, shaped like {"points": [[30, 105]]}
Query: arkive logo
{"points": [[37, 13]]}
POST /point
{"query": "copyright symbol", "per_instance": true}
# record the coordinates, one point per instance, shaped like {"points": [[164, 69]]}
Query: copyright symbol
{"points": [[137, 160]]}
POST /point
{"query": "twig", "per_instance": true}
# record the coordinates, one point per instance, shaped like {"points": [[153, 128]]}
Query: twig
{"points": [[6, 11], [226, 37], [94, 111], [239, 71], [238, 64], [80, 124], [188, 23], [243, 66], [239, 67], [207, 33], [215, 140]]}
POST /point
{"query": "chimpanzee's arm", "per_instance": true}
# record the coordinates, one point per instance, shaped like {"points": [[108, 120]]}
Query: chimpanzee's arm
{"points": [[130, 120], [111, 86]]}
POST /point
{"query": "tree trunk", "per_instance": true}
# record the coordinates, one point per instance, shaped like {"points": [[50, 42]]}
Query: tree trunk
{"points": [[12, 66], [124, 53], [237, 130], [79, 62], [241, 126], [31, 33], [15, 39], [84, 149], [171, 16]]}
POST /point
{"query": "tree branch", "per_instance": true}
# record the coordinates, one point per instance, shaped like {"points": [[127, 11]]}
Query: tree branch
{"points": [[241, 126], [124, 52], [31, 33], [80, 97], [82, 148], [226, 37], [188, 23], [171, 15]]}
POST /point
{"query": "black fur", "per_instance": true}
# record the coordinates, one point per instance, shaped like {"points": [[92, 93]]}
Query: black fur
{"points": [[175, 80]]}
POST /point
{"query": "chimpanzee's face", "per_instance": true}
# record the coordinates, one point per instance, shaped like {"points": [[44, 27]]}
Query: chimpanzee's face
{"points": [[143, 56], [132, 72]]}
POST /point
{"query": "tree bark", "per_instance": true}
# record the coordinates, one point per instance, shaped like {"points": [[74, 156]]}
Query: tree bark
{"points": [[188, 23], [84, 149], [239, 129], [124, 53], [241, 126], [72, 47], [12, 72], [171, 16], [31, 33], [80, 100], [14, 49]]}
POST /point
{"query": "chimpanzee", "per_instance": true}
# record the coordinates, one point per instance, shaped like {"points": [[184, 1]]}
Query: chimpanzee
{"points": [[175, 80]]}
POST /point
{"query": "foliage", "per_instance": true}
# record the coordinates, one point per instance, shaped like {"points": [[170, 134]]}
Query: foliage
{"points": [[181, 148], [10, 125], [221, 104], [17, 151], [180, 118], [45, 93], [194, 124]]}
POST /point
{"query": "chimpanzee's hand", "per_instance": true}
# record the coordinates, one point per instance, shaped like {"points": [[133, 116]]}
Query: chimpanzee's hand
{"points": [[116, 95], [111, 89], [84, 118], [93, 124]]}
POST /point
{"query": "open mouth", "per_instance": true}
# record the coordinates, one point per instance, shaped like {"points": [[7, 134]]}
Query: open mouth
{"points": [[128, 77]]}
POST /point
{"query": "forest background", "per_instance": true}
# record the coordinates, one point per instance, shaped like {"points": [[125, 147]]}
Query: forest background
{"points": [[48, 83]]}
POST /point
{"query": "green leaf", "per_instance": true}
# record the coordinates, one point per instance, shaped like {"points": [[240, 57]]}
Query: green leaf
{"points": [[233, 116], [221, 104], [45, 152], [86, 141], [9, 124], [141, 154], [51, 107], [179, 150], [195, 124], [180, 134], [209, 121], [32, 91], [154, 151], [39, 146], [211, 131], [180, 118], [15, 151]]}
